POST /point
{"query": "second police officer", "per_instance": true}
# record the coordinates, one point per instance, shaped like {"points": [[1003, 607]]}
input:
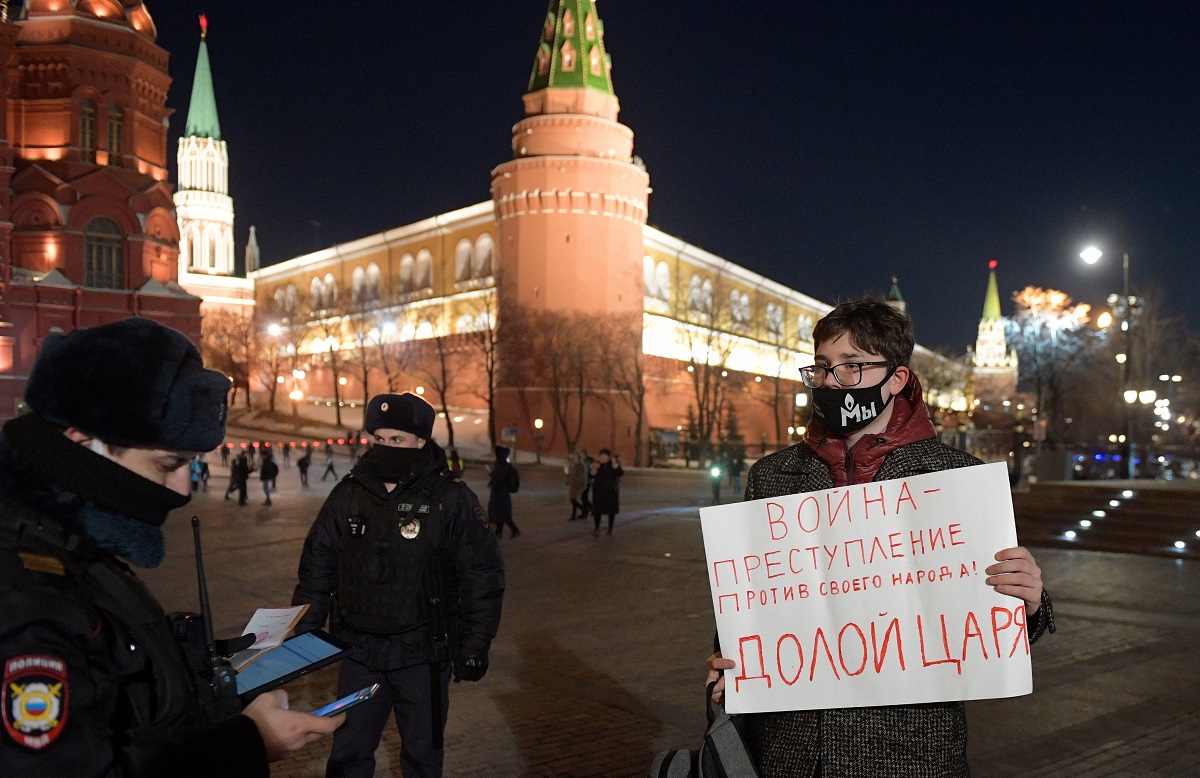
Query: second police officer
{"points": [[401, 562]]}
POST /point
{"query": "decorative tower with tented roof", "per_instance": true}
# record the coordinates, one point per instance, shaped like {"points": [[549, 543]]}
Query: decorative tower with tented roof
{"points": [[571, 205], [995, 366], [202, 200]]}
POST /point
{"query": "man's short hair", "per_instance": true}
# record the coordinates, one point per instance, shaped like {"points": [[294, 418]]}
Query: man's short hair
{"points": [[873, 325]]}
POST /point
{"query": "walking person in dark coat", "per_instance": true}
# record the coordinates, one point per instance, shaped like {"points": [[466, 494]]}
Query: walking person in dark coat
{"points": [[302, 464], [329, 469], [268, 471], [577, 477], [239, 476], [606, 489], [502, 483]]}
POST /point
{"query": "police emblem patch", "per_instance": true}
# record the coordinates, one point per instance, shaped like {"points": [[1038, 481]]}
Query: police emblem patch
{"points": [[34, 699], [410, 530], [481, 516]]}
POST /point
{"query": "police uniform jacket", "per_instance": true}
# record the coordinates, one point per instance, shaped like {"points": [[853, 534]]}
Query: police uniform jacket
{"points": [[94, 682], [467, 556], [895, 741]]}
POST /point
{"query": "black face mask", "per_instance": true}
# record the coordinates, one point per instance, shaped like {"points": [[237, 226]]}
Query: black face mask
{"points": [[845, 410], [393, 464]]}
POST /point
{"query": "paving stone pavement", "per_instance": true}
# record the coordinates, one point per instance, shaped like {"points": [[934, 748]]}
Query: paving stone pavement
{"points": [[599, 663]]}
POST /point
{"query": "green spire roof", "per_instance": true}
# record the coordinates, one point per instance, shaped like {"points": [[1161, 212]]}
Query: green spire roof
{"points": [[991, 300], [202, 119], [571, 52], [894, 293]]}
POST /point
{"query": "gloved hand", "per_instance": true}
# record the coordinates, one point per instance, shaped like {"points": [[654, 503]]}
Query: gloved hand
{"points": [[470, 666]]}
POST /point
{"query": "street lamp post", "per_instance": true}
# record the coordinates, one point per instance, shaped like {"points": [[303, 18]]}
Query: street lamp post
{"points": [[1124, 310], [537, 437]]}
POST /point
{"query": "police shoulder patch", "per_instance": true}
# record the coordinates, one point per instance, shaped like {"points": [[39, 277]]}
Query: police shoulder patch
{"points": [[35, 699], [481, 516]]}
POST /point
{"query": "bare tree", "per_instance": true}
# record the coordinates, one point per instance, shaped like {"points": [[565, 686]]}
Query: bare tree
{"points": [[330, 331], [363, 325], [483, 338], [708, 319], [624, 363], [440, 372], [229, 343], [1054, 342], [566, 356]]}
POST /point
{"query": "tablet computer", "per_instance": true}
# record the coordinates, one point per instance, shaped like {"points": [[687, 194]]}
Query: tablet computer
{"points": [[295, 657]]}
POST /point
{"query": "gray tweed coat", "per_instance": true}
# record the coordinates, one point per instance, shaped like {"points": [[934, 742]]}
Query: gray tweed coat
{"points": [[904, 741]]}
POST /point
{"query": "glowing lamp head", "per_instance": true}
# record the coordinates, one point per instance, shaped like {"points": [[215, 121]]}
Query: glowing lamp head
{"points": [[1091, 255], [715, 472], [992, 264], [203, 26]]}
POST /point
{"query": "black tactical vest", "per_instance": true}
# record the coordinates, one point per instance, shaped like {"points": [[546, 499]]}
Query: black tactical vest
{"points": [[390, 557]]}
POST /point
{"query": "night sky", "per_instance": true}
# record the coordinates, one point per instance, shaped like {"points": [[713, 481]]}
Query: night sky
{"points": [[825, 145]]}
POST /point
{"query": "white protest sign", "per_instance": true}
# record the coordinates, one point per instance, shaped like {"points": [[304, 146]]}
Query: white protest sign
{"points": [[871, 594]]}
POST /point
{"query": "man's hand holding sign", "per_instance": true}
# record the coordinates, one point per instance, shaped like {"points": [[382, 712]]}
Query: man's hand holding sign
{"points": [[881, 593]]}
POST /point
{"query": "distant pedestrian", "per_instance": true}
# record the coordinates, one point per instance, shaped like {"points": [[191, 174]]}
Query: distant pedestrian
{"points": [[268, 471], [287, 453], [302, 465], [225, 455], [737, 466], [239, 475], [585, 499], [454, 463], [606, 489], [329, 469], [503, 482], [577, 478], [204, 472], [194, 473], [352, 441]]}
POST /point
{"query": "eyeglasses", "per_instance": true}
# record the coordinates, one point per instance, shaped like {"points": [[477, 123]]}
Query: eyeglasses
{"points": [[846, 374]]}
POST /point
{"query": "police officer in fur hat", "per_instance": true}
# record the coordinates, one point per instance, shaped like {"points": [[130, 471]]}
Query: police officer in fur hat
{"points": [[401, 562], [94, 681]]}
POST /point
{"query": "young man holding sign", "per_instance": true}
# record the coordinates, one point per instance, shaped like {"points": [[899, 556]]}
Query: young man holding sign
{"points": [[870, 423]]}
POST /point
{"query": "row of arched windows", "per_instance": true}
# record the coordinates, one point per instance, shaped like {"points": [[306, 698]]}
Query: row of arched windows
{"points": [[657, 278], [474, 260]]}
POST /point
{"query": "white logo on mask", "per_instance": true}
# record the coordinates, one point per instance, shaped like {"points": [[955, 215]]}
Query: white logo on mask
{"points": [[857, 413]]}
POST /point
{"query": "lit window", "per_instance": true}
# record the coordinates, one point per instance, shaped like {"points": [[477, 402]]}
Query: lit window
{"points": [[568, 23], [485, 247], [116, 129], [462, 260], [318, 294], [87, 131], [543, 59], [407, 265], [330, 296], [104, 255], [595, 61], [589, 27], [373, 282], [662, 282], [424, 269], [568, 57]]}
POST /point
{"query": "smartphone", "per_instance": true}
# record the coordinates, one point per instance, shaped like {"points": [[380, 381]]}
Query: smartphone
{"points": [[347, 702]]}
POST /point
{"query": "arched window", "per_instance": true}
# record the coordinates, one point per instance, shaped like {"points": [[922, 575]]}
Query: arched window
{"points": [[358, 280], [116, 134], [485, 247], [695, 294], [424, 269], [104, 255], [87, 130], [407, 273], [662, 282], [465, 323], [462, 260], [330, 295], [775, 319], [290, 304], [424, 330], [318, 294], [706, 296], [595, 61], [568, 57], [804, 328], [373, 282]]}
